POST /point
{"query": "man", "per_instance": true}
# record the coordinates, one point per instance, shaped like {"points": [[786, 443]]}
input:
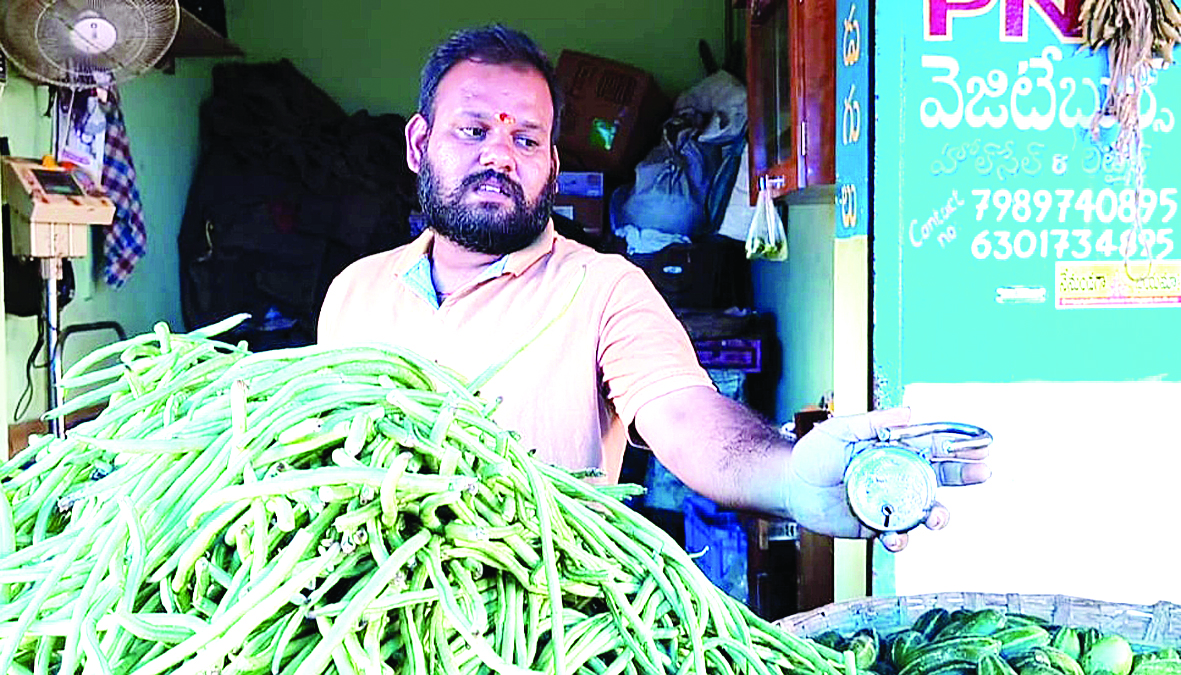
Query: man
{"points": [[579, 345]]}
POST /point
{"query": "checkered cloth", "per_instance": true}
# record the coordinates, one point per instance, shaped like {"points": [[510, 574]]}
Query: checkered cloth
{"points": [[127, 239]]}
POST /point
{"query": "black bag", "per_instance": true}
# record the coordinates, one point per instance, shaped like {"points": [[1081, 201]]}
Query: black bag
{"points": [[23, 284], [289, 191]]}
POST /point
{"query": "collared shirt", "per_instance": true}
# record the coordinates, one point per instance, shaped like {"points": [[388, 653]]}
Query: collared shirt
{"points": [[611, 346]]}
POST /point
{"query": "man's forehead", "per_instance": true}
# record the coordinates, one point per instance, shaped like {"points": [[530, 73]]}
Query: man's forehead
{"points": [[475, 82]]}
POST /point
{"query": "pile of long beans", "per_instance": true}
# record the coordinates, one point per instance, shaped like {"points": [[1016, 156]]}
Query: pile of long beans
{"points": [[314, 510]]}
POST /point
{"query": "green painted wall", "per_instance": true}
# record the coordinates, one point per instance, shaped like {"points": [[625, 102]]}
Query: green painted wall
{"points": [[367, 54], [161, 115], [799, 292]]}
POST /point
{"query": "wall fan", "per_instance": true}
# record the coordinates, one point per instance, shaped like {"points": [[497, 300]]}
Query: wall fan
{"points": [[81, 44]]}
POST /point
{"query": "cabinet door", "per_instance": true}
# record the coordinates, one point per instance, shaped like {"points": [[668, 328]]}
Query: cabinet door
{"points": [[791, 86]]}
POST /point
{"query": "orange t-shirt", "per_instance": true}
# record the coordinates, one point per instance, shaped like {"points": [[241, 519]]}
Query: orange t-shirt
{"points": [[574, 391]]}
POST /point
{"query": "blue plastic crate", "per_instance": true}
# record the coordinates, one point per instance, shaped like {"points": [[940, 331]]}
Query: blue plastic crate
{"points": [[718, 536]]}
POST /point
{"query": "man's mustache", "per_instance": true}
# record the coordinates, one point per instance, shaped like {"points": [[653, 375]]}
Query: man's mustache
{"points": [[506, 184]]}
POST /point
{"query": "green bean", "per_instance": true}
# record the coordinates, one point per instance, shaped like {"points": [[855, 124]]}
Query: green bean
{"points": [[553, 583], [385, 574], [439, 543], [414, 638], [249, 605], [85, 600], [44, 587], [7, 538], [290, 627]]}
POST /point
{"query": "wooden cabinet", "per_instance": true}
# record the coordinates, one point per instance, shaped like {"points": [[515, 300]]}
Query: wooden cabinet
{"points": [[791, 90]]}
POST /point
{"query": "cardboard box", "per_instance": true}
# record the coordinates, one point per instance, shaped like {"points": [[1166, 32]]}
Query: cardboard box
{"points": [[581, 198], [613, 113], [580, 183]]}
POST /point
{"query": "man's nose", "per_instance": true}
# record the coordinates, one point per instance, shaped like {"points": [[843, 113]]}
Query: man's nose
{"points": [[497, 153]]}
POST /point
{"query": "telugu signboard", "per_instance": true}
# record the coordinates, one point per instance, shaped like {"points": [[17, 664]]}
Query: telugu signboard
{"points": [[996, 188]]}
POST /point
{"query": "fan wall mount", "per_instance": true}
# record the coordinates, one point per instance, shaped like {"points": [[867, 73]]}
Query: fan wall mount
{"points": [[81, 44]]}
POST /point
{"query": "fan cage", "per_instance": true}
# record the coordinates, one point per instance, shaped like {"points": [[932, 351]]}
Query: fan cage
{"points": [[35, 36]]}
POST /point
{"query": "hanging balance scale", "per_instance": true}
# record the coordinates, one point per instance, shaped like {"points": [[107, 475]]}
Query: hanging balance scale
{"points": [[890, 482]]}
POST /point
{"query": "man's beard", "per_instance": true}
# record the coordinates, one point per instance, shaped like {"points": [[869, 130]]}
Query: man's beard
{"points": [[485, 228]]}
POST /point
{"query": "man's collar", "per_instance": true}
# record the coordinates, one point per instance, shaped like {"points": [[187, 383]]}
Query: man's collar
{"points": [[515, 263], [520, 261]]}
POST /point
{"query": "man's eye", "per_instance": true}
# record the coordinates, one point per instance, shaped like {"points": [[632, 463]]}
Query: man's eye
{"points": [[472, 132], [527, 143]]}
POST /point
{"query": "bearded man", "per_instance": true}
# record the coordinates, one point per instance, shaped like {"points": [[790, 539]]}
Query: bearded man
{"points": [[591, 353]]}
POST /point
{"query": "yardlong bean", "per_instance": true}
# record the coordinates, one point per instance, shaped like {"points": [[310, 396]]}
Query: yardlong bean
{"points": [[319, 510]]}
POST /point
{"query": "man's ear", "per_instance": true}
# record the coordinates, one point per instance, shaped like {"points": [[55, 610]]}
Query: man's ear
{"points": [[557, 164], [417, 132]]}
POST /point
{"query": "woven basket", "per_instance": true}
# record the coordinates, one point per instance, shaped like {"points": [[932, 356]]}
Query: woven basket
{"points": [[1157, 625]]}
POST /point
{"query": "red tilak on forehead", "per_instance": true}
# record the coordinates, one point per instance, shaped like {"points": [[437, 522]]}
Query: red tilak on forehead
{"points": [[506, 118]]}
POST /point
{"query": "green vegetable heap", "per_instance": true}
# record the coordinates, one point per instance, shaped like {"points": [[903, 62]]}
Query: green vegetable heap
{"points": [[995, 642], [314, 510]]}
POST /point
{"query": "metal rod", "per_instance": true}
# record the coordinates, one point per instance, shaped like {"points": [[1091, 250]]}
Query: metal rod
{"points": [[51, 268]]}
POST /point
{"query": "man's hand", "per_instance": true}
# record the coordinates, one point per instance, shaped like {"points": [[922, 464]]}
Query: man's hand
{"points": [[816, 491]]}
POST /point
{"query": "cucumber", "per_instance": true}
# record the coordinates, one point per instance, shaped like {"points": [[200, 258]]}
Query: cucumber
{"points": [[1109, 655], [1167, 653], [993, 664], [865, 649], [903, 645], [1058, 660], [980, 622], [935, 655], [831, 639], [1087, 637], [931, 621], [954, 621], [955, 668], [1020, 619], [1020, 639], [1066, 639], [1158, 666], [1035, 667]]}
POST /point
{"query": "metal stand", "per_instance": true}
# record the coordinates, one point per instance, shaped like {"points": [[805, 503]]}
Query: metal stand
{"points": [[51, 270]]}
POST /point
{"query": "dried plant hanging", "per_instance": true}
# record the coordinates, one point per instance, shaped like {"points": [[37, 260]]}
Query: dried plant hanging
{"points": [[1134, 33]]}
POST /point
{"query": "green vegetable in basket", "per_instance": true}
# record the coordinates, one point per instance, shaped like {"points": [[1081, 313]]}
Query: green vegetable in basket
{"points": [[1158, 666], [1033, 666], [864, 646], [1066, 639], [1059, 660], [932, 621], [936, 655], [982, 622], [904, 645], [993, 664], [1151, 655], [1087, 637], [955, 668], [1019, 619], [1021, 639], [831, 639], [1109, 655]]}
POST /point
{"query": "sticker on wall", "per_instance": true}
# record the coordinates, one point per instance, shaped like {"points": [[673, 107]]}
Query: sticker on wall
{"points": [[1021, 295], [1108, 284]]}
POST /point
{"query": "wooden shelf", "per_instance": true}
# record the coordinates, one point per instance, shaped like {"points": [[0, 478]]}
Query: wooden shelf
{"points": [[196, 38]]}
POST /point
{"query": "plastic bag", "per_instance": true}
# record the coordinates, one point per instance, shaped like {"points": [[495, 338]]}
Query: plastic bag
{"points": [[766, 239]]}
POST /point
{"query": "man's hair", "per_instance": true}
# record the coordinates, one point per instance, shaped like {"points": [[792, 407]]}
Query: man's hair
{"points": [[495, 45]]}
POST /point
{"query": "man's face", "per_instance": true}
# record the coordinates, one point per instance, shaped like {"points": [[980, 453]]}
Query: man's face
{"points": [[487, 169]]}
